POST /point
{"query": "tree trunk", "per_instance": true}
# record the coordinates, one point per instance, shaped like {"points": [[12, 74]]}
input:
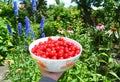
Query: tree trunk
{"points": [[87, 16], [86, 12]]}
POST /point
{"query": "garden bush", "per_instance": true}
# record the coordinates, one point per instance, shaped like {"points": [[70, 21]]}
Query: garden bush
{"points": [[60, 18], [5, 41], [97, 62]]}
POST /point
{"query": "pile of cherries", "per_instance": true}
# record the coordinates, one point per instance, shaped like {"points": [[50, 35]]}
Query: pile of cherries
{"points": [[56, 49]]}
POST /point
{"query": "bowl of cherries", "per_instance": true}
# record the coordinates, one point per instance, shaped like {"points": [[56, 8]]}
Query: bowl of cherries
{"points": [[55, 53]]}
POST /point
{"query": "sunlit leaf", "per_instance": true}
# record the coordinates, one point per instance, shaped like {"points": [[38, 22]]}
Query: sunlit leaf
{"points": [[110, 60], [104, 49], [103, 61], [10, 44], [1, 37], [1, 57], [114, 74], [1, 41], [74, 80], [104, 54]]}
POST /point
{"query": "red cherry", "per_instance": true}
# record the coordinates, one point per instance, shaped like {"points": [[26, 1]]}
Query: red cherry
{"points": [[56, 49]]}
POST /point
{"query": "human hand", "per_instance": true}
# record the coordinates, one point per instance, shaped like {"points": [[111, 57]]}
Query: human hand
{"points": [[53, 75]]}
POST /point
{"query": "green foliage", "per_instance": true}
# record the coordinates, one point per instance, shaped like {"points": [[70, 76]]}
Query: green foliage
{"points": [[6, 11], [59, 17], [41, 7], [5, 40], [23, 68], [112, 18], [41, 10], [87, 70], [57, 2]]}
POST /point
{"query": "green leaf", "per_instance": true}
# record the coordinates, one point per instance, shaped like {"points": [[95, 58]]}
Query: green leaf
{"points": [[1, 57], [74, 80], [110, 60], [104, 49], [9, 43], [114, 74], [4, 49], [97, 64], [103, 61], [104, 54], [1, 41], [1, 37]]}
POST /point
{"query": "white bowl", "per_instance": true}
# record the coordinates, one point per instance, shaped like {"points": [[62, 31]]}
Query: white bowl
{"points": [[54, 65]]}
